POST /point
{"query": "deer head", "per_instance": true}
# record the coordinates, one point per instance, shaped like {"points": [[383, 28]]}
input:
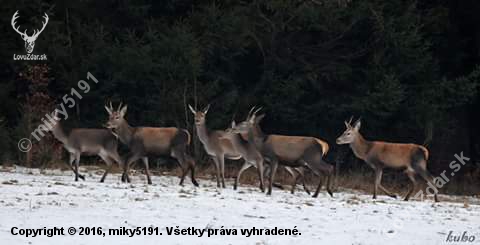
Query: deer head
{"points": [[350, 133], [115, 117], [199, 115], [29, 40], [251, 121]]}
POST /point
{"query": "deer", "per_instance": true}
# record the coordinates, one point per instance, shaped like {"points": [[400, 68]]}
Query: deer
{"points": [[215, 144], [241, 143], [291, 151], [144, 141], [248, 151], [412, 158], [86, 141], [29, 40]]}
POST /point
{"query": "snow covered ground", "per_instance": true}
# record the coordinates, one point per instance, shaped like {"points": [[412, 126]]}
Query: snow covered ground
{"points": [[30, 199]]}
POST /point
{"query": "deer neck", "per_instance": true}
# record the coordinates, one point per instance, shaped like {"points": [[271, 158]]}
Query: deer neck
{"points": [[256, 136], [251, 135], [361, 147], [59, 133], [202, 132], [238, 142], [125, 133]]}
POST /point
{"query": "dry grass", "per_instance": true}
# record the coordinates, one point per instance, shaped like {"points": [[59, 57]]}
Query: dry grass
{"points": [[361, 180]]}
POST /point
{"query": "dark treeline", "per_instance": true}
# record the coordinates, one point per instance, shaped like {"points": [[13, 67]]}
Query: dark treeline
{"points": [[407, 68]]}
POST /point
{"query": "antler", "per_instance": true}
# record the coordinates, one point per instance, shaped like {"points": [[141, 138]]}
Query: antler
{"points": [[120, 106], [256, 111], [109, 108], [250, 112], [14, 22], [348, 124], [37, 32], [254, 114]]}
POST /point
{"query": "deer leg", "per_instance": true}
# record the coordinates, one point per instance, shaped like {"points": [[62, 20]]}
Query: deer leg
{"points": [[378, 184], [132, 158], [276, 185], [114, 155], [411, 175], [147, 172], [222, 166], [217, 170], [301, 172], [260, 173], [77, 163], [72, 159], [319, 187], [294, 177], [328, 170], [378, 178], [329, 191], [273, 166], [267, 172], [427, 176], [191, 163], [184, 172], [117, 158], [246, 165], [390, 194], [317, 169], [180, 156], [108, 161]]}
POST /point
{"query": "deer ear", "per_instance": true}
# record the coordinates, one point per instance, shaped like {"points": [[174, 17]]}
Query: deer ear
{"points": [[191, 109], [123, 111], [357, 125], [205, 110], [259, 118]]}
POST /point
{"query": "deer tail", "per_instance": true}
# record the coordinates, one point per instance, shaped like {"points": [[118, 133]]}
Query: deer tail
{"points": [[425, 152], [324, 145], [189, 136]]}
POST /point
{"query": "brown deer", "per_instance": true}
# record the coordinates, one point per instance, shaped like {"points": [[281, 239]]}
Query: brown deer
{"points": [[248, 151], [242, 144], [87, 141], [215, 144], [291, 151], [378, 155], [144, 141]]}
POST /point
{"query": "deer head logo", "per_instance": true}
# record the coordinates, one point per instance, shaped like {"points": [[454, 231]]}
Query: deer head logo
{"points": [[29, 40]]}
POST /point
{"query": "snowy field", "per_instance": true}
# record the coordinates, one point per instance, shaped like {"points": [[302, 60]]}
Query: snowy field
{"points": [[30, 199]]}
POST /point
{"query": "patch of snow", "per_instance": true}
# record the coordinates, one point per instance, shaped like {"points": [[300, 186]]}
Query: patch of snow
{"points": [[33, 199]]}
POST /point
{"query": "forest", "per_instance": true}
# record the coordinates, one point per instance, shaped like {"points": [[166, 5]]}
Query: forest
{"points": [[409, 69]]}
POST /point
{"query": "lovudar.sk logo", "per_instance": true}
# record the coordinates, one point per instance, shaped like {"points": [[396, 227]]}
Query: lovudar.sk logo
{"points": [[29, 40]]}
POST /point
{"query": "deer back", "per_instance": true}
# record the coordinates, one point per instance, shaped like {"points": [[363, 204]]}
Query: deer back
{"points": [[396, 155], [290, 148], [158, 140], [218, 143], [92, 140]]}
